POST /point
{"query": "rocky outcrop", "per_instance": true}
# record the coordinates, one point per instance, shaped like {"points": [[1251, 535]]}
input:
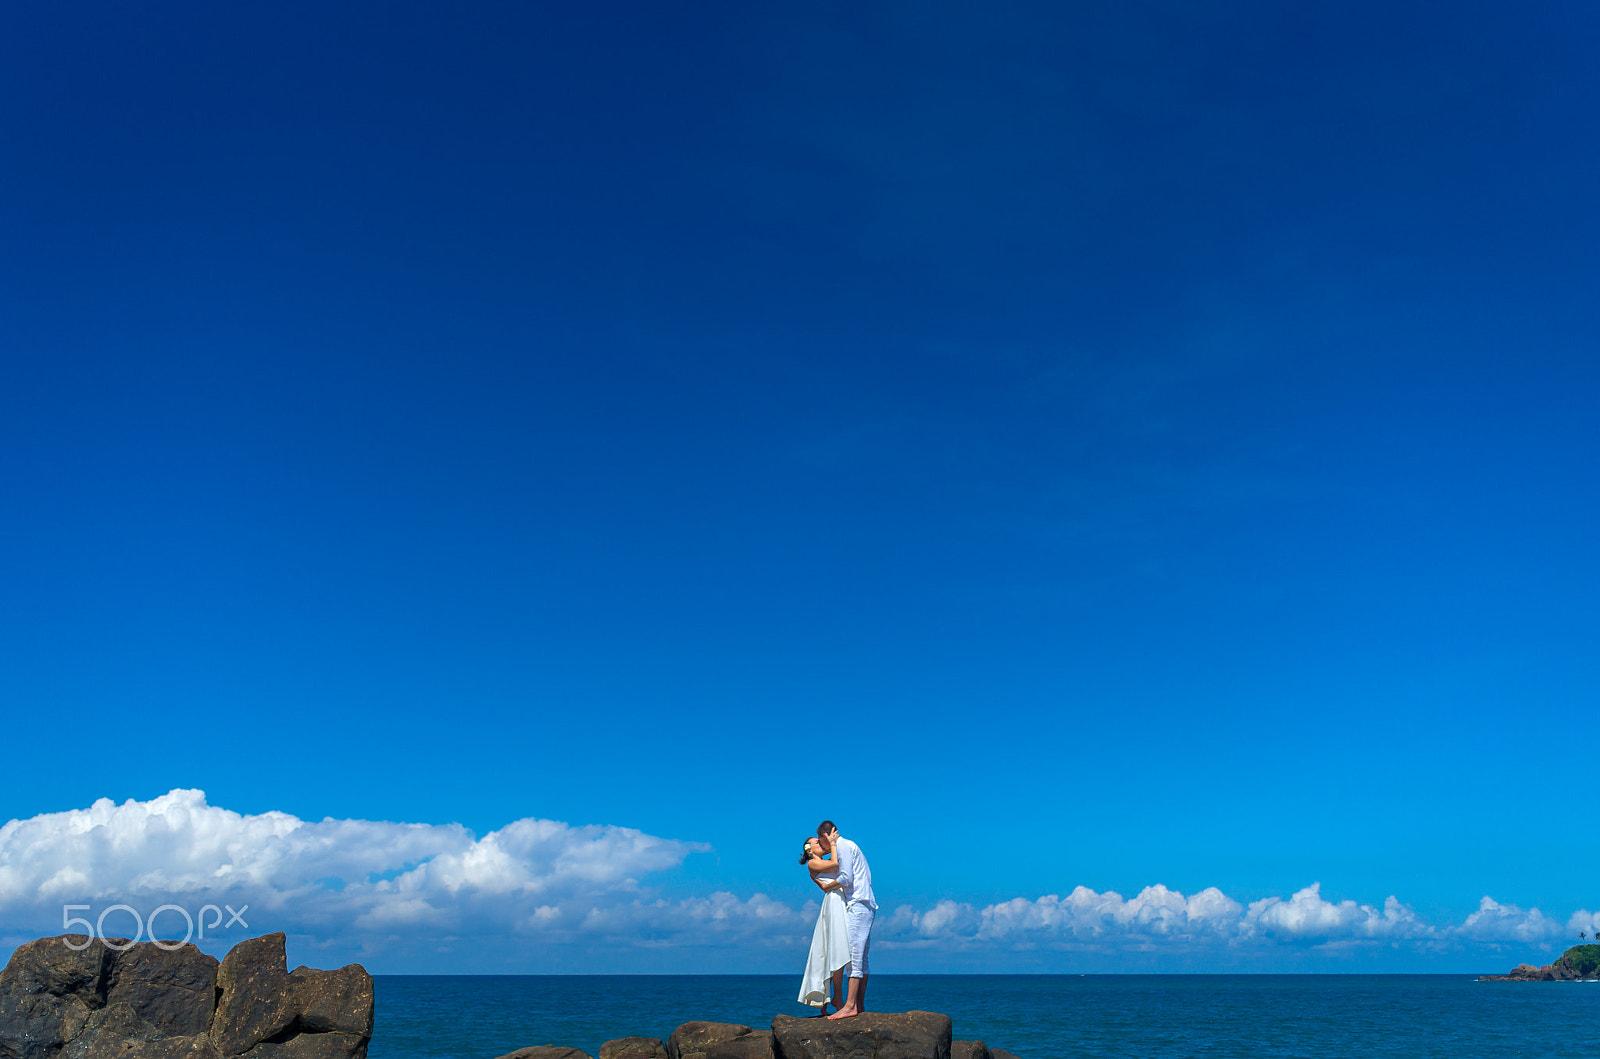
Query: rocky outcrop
{"points": [[264, 1012], [634, 1048], [1581, 963], [755, 1045], [1522, 972], [175, 991], [546, 1051], [969, 1050], [694, 1040], [872, 1035], [58, 1001]]}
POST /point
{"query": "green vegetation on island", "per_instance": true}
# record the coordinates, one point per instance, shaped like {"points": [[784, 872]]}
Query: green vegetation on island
{"points": [[1582, 960]]}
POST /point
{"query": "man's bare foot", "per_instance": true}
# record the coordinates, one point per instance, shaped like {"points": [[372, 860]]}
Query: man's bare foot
{"points": [[845, 1013]]}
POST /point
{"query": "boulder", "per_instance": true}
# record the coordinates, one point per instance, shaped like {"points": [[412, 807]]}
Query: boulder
{"points": [[109, 1032], [311, 1046], [634, 1048], [968, 1050], [693, 1039], [338, 1001], [255, 999], [757, 1045], [264, 1012], [871, 1035], [72, 965], [48, 991], [547, 1051], [1000, 1053], [174, 990], [35, 1027], [118, 1031]]}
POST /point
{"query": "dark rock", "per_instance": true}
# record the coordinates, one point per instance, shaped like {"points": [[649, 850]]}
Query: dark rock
{"points": [[174, 990], [266, 1013], [692, 1039], [110, 1032], [35, 1027], [256, 1000], [969, 1050], [547, 1051], [48, 990], [1000, 1053], [312, 1046], [757, 1045], [50, 967], [118, 1032], [196, 1047], [634, 1048], [334, 1001], [872, 1035]]}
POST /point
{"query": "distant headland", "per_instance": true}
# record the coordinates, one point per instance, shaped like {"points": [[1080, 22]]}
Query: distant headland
{"points": [[1581, 963]]}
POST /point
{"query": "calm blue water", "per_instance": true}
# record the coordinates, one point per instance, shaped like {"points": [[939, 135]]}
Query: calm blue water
{"points": [[1035, 1016]]}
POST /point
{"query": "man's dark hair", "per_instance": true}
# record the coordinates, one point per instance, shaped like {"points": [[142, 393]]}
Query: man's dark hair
{"points": [[824, 827]]}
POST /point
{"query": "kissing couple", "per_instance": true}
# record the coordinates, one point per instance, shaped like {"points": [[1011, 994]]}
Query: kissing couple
{"points": [[844, 926]]}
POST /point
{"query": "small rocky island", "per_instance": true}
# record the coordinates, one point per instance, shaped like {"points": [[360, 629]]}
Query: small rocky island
{"points": [[1581, 963], [91, 1000], [73, 997]]}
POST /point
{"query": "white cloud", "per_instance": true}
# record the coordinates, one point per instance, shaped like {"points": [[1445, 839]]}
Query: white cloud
{"points": [[1160, 919], [1307, 915], [318, 877], [1495, 922], [370, 886], [1083, 915], [1586, 921]]}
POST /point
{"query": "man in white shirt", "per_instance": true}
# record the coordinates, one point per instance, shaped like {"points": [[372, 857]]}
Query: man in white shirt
{"points": [[855, 879]]}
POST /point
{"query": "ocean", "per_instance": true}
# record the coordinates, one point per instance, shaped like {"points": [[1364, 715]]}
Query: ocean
{"points": [[1034, 1016]]}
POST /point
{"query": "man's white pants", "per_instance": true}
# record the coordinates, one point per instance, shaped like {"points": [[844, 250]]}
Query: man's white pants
{"points": [[859, 919]]}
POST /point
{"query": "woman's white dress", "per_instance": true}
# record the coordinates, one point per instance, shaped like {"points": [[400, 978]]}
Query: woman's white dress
{"points": [[830, 948]]}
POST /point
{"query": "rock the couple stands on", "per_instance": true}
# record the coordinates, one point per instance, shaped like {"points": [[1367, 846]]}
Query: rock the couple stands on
{"points": [[911, 1035]]}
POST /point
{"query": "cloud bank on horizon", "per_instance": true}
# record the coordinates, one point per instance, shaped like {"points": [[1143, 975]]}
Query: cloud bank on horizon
{"points": [[373, 886]]}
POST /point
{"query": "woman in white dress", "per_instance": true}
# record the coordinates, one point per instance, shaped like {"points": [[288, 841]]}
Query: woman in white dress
{"points": [[830, 941]]}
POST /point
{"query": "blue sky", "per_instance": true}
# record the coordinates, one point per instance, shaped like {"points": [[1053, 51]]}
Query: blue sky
{"points": [[1099, 447]]}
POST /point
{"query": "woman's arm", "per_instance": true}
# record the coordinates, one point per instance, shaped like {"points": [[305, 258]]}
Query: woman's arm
{"points": [[816, 864], [825, 884]]}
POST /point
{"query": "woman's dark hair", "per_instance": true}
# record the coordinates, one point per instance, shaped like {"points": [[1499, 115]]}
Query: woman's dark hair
{"points": [[805, 852]]}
